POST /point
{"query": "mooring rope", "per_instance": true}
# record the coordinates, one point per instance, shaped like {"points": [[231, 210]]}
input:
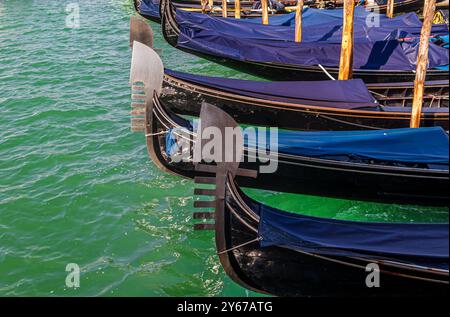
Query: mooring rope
{"points": [[240, 245], [326, 72], [157, 133], [377, 93], [174, 131]]}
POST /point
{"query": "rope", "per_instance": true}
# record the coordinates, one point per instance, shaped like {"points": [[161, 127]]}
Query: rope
{"points": [[240, 245], [377, 93], [326, 72], [157, 133], [432, 100], [168, 128], [351, 123]]}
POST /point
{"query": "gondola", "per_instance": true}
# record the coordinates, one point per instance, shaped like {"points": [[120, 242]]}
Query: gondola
{"points": [[418, 176], [285, 254], [387, 106], [269, 51], [150, 9], [327, 105], [400, 6]]}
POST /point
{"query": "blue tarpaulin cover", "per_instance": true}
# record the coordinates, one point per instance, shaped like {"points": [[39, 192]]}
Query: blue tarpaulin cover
{"points": [[150, 8], [249, 40], [404, 146], [413, 243], [414, 146], [345, 94]]}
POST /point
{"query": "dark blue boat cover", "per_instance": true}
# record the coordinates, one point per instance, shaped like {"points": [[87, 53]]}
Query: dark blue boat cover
{"points": [[150, 8], [344, 94], [409, 146], [412, 243], [392, 46]]}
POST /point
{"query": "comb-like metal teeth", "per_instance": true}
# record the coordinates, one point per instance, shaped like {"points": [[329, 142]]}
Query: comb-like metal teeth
{"points": [[138, 97], [204, 180], [137, 87], [137, 121], [137, 129], [204, 191], [137, 112], [246, 173], [206, 168], [137, 124], [204, 226], [204, 204], [204, 215], [135, 105]]}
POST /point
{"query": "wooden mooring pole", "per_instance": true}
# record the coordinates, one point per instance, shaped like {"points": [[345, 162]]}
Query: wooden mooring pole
{"points": [[265, 12], [237, 9], [390, 8], [203, 4], [298, 21], [224, 9], [422, 62], [346, 59]]}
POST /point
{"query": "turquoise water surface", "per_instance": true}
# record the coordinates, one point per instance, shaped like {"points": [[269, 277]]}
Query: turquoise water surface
{"points": [[76, 186]]}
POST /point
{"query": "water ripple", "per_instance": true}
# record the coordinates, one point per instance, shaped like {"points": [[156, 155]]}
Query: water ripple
{"points": [[77, 186]]}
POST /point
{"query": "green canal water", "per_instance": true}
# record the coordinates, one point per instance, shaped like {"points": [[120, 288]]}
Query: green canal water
{"points": [[76, 186]]}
